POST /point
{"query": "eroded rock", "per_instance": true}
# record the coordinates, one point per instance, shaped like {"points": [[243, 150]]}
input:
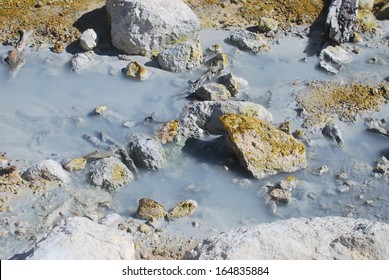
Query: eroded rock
{"points": [[266, 24], [333, 132], [261, 148]]}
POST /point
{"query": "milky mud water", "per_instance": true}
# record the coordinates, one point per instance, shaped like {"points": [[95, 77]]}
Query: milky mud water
{"points": [[45, 111]]}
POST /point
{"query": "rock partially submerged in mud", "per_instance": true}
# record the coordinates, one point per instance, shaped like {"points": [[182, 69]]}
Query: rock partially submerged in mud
{"points": [[110, 173], [333, 132], [75, 164], [147, 152], [379, 126], [213, 92], [137, 71], [79, 61], [247, 40], [261, 148], [151, 210], [185, 56], [48, 170], [78, 238], [233, 83], [325, 238], [382, 165], [333, 58], [147, 26], [199, 117], [182, 209]]}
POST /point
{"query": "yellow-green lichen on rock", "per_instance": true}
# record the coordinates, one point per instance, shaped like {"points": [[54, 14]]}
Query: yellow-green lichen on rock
{"points": [[262, 148], [75, 164], [136, 71], [182, 209], [151, 210]]}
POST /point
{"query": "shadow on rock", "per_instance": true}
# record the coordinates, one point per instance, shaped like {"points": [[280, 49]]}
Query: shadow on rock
{"points": [[99, 22], [215, 152], [316, 36]]}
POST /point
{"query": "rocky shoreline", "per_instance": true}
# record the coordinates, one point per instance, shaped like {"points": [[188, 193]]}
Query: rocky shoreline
{"points": [[64, 218]]}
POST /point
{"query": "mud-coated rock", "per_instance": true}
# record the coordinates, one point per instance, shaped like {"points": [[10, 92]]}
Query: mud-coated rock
{"points": [[110, 173], [233, 83], [135, 70], [325, 238], [261, 148], [247, 40], [79, 61], [147, 26], [333, 58], [78, 238], [49, 170], [147, 152], [185, 56], [182, 209]]}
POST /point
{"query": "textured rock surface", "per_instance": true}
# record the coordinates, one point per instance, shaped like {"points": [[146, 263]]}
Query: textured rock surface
{"points": [[267, 24], [342, 20], [88, 39], [136, 70], [213, 92], [261, 148], [79, 238], [304, 238], [333, 58], [149, 209], [147, 152], [75, 164], [185, 56], [383, 12], [205, 115], [48, 170], [247, 40], [110, 173], [233, 83], [79, 61], [182, 209], [145, 26], [333, 132]]}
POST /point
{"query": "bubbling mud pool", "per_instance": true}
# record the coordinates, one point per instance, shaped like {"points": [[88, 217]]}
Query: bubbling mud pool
{"points": [[45, 111]]}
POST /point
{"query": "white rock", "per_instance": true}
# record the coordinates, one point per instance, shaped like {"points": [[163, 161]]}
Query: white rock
{"points": [[332, 58], [48, 170], [299, 239], [79, 61], [147, 26], [88, 39], [79, 238]]}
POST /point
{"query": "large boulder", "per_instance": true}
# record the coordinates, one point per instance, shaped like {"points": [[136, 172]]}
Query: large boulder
{"points": [[79, 238], [261, 148], [148, 26], [325, 238]]}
